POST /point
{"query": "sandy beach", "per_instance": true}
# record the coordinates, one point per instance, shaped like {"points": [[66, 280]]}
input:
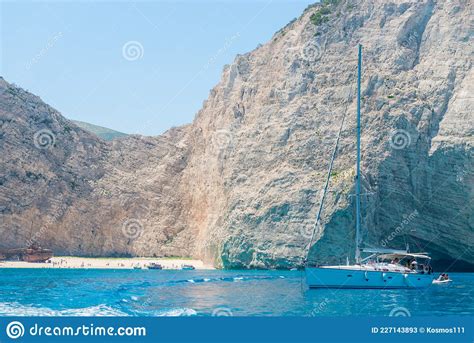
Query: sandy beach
{"points": [[70, 262]]}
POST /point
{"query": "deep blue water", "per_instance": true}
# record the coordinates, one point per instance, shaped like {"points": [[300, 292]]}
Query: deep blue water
{"points": [[216, 292]]}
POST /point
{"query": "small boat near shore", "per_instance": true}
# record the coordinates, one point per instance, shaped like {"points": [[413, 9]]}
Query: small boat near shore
{"points": [[155, 266], [442, 279], [187, 267]]}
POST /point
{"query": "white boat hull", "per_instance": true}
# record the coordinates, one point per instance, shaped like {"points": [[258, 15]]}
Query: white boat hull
{"points": [[327, 277]]}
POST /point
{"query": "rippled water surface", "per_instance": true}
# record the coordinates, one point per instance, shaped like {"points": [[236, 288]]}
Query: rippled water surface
{"points": [[238, 293]]}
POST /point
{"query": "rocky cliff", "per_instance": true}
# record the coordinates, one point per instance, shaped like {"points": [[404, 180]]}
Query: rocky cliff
{"points": [[240, 186]]}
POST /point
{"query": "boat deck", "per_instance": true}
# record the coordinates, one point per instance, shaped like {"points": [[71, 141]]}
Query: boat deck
{"points": [[384, 267]]}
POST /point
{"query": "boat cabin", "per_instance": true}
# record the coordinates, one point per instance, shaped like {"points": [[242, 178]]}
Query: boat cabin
{"points": [[415, 262], [418, 262]]}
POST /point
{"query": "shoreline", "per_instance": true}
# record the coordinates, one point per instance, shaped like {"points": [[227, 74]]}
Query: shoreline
{"points": [[73, 262]]}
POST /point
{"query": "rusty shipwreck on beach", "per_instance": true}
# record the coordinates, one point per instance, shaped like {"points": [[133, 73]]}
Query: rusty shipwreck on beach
{"points": [[33, 253]]}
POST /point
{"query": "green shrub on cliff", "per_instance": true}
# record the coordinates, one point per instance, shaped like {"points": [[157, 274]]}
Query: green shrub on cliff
{"points": [[318, 18], [321, 16]]}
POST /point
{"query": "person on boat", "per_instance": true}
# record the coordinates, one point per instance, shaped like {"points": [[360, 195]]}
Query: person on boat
{"points": [[426, 269], [421, 268], [413, 265], [443, 277], [395, 260]]}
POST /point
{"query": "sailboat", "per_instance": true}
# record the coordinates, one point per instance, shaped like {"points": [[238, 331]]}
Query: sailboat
{"points": [[382, 268]]}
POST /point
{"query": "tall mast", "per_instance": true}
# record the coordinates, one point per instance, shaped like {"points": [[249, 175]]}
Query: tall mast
{"points": [[359, 67]]}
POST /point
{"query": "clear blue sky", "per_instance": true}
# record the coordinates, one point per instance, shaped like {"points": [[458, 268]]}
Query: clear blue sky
{"points": [[70, 53]]}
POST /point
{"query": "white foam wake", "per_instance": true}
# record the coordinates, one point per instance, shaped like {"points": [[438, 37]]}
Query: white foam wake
{"points": [[16, 309], [176, 312]]}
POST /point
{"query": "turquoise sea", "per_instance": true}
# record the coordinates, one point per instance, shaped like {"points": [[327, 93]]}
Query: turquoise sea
{"points": [[56, 292]]}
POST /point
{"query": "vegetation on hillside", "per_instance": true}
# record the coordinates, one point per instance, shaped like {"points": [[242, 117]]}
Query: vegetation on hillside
{"points": [[102, 132], [321, 16]]}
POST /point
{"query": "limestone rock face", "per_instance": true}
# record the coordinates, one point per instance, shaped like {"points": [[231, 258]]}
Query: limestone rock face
{"points": [[240, 186], [277, 111], [76, 194]]}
